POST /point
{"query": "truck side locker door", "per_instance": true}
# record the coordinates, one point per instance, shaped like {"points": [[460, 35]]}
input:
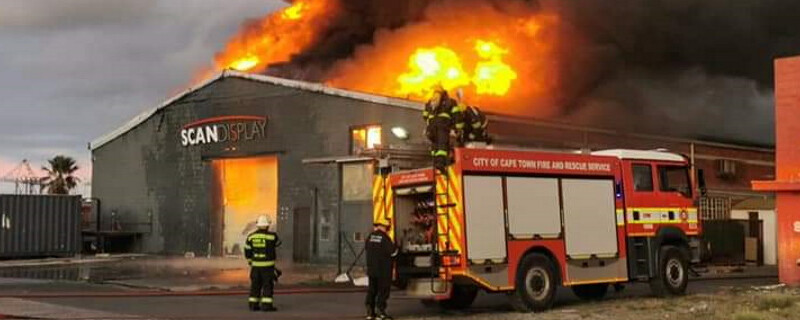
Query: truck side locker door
{"points": [[485, 219]]}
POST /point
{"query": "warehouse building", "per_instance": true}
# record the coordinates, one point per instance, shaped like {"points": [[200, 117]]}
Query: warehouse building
{"points": [[192, 174]]}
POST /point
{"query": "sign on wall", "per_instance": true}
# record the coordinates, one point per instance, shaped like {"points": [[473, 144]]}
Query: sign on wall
{"points": [[224, 129]]}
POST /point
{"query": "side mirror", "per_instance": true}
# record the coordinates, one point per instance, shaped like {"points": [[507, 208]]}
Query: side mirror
{"points": [[701, 182]]}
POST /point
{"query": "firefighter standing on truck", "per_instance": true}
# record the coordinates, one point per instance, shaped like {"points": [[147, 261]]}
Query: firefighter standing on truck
{"points": [[442, 115], [260, 253], [380, 252], [475, 126]]}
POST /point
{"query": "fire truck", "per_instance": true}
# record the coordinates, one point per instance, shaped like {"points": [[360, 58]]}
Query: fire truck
{"points": [[524, 223]]}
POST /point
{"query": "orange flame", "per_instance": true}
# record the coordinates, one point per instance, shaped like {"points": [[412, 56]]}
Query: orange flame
{"points": [[276, 37], [441, 66], [244, 64], [295, 11], [493, 77], [431, 67], [503, 59]]}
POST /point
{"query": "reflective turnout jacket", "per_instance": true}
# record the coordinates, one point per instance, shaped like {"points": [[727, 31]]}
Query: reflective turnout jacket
{"points": [[476, 121], [259, 248], [446, 108]]}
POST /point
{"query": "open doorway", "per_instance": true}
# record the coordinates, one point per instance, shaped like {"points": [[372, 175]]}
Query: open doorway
{"points": [[248, 188]]}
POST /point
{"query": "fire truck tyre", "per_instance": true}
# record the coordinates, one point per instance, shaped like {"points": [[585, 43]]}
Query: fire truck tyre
{"points": [[673, 272], [536, 282], [461, 297], [590, 291]]}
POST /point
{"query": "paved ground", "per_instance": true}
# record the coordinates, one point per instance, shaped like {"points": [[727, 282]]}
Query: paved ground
{"points": [[135, 287], [163, 273], [295, 306]]}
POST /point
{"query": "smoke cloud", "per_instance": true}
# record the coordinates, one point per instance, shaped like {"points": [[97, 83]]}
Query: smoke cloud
{"points": [[694, 68], [689, 67]]}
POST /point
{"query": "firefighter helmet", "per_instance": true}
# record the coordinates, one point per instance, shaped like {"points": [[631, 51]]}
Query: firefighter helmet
{"points": [[263, 222]]}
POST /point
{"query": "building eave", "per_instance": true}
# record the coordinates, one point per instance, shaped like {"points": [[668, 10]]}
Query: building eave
{"points": [[142, 117], [395, 102], [295, 84]]}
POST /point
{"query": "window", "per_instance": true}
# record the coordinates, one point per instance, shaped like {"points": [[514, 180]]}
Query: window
{"points": [[325, 225], [357, 182], [642, 177], [364, 138], [675, 179]]}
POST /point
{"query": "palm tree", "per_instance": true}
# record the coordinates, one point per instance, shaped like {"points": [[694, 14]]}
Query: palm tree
{"points": [[60, 177]]}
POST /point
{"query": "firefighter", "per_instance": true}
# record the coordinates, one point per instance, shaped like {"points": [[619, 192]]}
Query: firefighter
{"points": [[475, 127], [380, 253], [260, 253], [442, 115]]}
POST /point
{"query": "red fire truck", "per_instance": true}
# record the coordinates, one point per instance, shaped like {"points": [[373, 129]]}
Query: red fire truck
{"points": [[524, 222]]}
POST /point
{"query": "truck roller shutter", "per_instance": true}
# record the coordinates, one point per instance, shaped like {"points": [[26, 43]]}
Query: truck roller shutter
{"points": [[485, 219], [533, 208], [589, 218]]}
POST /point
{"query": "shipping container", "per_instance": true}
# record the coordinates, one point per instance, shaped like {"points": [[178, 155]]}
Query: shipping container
{"points": [[39, 225]]}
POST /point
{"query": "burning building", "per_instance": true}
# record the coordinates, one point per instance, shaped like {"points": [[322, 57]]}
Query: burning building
{"points": [[247, 140], [202, 166]]}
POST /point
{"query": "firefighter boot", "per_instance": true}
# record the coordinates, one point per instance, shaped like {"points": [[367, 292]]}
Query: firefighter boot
{"points": [[253, 306], [370, 313], [268, 307], [383, 316]]}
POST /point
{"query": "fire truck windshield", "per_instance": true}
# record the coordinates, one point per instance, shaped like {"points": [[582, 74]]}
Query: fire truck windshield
{"points": [[675, 179]]}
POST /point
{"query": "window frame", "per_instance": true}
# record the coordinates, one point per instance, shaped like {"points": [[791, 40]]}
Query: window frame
{"points": [[660, 168], [325, 221], [365, 127], [367, 187], [649, 167]]}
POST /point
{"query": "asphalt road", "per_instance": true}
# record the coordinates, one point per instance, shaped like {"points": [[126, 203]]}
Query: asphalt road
{"points": [[330, 305]]}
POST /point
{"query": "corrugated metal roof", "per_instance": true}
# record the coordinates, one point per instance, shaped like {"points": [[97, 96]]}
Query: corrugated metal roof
{"points": [[388, 101]]}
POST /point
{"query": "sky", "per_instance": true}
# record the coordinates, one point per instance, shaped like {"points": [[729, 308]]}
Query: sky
{"points": [[73, 70]]}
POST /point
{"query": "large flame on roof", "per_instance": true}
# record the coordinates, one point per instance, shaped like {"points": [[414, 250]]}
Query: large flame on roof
{"points": [[276, 37], [499, 58], [431, 67]]}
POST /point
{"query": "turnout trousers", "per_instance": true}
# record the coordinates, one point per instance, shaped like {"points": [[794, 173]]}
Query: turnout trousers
{"points": [[378, 292], [262, 281], [439, 135]]}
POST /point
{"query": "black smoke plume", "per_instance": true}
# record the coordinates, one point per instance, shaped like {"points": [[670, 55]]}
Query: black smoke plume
{"points": [[691, 68]]}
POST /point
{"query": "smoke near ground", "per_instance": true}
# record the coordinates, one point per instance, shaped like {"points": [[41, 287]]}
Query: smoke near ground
{"points": [[696, 68]]}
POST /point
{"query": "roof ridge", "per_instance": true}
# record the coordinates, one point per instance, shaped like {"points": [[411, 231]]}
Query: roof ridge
{"points": [[289, 83]]}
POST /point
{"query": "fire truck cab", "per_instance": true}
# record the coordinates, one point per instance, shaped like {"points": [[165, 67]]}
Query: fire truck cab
{"points": [[526, 222]]}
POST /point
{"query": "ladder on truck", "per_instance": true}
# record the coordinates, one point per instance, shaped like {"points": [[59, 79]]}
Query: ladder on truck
{"points": [[443, 203]]}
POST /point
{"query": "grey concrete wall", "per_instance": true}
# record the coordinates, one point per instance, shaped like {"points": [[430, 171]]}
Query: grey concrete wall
{"points": [[147, 172]]}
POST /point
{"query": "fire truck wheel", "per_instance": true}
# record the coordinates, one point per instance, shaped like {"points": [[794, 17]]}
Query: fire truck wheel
{"points": [[590, 291], [673, 272], [536, 282], [461, 297]]}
